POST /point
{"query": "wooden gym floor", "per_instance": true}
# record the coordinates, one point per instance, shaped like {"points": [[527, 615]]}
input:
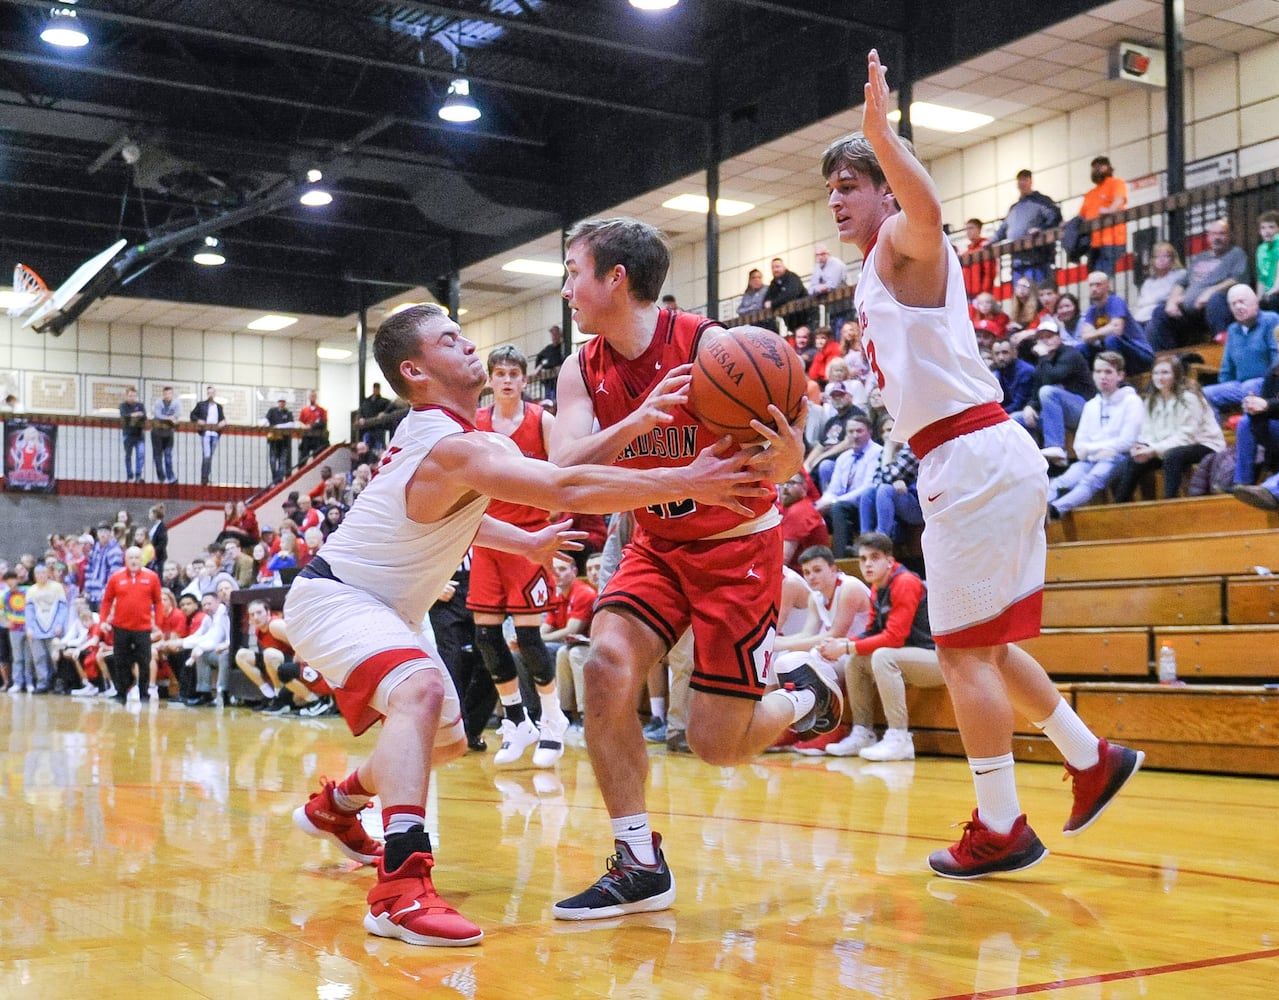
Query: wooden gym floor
{"points": [[150, 853]]}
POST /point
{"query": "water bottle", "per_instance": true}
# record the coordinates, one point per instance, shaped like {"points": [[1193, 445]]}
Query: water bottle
{"points": [[1167, 664]]}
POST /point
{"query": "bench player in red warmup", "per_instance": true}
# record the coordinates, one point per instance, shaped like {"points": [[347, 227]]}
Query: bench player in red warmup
{"points": [[354, 613], [982, 484], [621, 400]]}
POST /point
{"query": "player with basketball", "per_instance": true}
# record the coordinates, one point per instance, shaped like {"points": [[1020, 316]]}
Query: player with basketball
{"points": [[622, 399], [503, 583], [354, 612], [982, 484]]}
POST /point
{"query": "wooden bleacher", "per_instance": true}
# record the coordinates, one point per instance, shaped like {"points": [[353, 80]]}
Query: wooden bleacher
{"points": [[1133, 578]]}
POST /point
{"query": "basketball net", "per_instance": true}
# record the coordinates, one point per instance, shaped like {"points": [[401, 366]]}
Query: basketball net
{"points": [[29, 290]]}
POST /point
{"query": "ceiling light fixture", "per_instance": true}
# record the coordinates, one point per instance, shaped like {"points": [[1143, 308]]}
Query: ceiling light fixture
{"points": [[314, 176], [542, 268], [63, 28], [701, 204], [271, 322], [332, 353], [211, 253], [316, 198], [459, 106], [653, 4], [939, 118]]}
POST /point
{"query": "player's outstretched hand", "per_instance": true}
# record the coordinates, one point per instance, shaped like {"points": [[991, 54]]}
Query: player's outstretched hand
{"points": [[557, 537], [670, 392], [875, 113], [784, 455], [721, 479]]}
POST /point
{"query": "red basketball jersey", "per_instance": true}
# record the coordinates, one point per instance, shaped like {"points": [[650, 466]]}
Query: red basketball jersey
{"points": [[528, 437], [618, 386]]}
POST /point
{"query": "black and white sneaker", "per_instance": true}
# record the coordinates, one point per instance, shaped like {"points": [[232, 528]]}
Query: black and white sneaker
{"points": [[627, 887], [314, 709], [827, 707], [281, 705]]}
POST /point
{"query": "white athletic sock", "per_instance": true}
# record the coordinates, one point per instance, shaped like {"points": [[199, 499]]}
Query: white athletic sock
{"points": [[635, 833], [802, 701], [266, 689], [550, 705], [996, 786], [657, 707], [1077, 743]]}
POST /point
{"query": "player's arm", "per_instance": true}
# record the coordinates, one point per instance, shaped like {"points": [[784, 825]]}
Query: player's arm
{"points": [[913, 233], [574, 437], [490, 464], [540, 547]]}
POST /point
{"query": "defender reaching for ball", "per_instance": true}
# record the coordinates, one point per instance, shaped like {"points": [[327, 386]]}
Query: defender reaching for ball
{"points": [[714, 569], [982, 485], [354, 613]]}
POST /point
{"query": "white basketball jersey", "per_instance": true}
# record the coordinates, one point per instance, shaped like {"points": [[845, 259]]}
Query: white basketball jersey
{"points": [[925, 359], [379, 549], [798, 617]]}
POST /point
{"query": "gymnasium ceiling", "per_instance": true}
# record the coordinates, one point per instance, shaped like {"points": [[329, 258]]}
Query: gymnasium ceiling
{"points": [[588, 107]]}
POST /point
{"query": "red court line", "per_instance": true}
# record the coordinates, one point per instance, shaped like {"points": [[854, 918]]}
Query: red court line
{"points": [[1111, 977]]}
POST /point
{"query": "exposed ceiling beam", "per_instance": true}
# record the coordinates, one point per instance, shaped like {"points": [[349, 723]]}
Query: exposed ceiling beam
{"points": [[531, 27], [414, 69], [214, 90], [817, 17]]}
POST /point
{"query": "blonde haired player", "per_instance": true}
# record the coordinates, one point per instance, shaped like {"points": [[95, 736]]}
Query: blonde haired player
{"points": [[354, 613], [982, 486]]}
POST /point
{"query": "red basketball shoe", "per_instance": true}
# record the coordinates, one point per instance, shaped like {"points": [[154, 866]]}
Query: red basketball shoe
{"points": [[981, 851], [1097, 787], [320, 817], [403, 904]]}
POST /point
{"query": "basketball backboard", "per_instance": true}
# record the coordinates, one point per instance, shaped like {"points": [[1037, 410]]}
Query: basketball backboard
{"points": [[63, 295]]}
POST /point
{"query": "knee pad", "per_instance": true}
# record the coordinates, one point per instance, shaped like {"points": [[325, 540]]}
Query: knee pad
{"points": [[492, 649], [535, 655]]}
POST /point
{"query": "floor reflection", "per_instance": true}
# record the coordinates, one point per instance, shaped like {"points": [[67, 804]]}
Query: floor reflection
{"points": [[152, 853]]}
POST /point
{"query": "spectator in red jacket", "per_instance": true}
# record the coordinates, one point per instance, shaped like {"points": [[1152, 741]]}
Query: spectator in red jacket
{"points": [[979, 276], [131, 605]]}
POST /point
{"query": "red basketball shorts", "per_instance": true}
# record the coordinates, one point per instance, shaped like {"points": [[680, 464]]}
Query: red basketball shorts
{"points": [[506, 584], [727, 590]]}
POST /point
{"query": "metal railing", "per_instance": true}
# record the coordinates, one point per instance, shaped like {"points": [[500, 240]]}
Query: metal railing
{"points": [[89, 451], [1239, 200]]}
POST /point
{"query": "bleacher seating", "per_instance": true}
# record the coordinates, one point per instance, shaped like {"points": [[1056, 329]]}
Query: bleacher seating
{"points": [[1136, 577]]}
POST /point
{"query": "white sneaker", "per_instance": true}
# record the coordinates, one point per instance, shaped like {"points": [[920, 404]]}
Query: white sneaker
{"points": [[550, 745], [85, 691], [134, 694], [859, 738], [110, 692], [896, 745], [153, 692], [515, 740]]}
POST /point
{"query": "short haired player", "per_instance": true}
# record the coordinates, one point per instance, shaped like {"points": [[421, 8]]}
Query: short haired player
{"points": [[354, 613], [982, 485], [504, 583], [622, 400]]}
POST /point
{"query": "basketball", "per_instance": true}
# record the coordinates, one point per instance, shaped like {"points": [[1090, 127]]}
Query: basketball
{"points": [[737, 373]]}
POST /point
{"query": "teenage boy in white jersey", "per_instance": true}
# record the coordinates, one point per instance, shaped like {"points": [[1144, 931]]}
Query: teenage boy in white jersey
{"points": [[354, 613], [982, 485]]}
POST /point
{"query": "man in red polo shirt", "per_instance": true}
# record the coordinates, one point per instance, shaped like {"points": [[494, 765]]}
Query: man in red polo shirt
{"points": [[802, 526], [131, 604]]}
